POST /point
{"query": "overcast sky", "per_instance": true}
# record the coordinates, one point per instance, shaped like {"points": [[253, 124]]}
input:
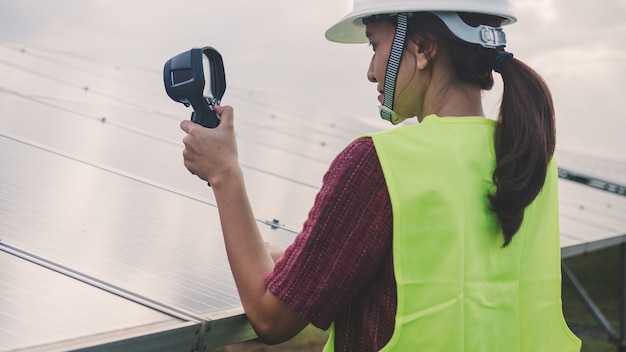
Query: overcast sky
{"points": [[278, 47]]}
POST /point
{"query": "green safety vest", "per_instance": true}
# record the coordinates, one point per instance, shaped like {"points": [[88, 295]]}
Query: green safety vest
{"points": [[458, 289]]}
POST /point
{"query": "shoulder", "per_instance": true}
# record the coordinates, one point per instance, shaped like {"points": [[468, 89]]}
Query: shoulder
{"points": [[352, 179], [355, 159], [342, 243], [357, 150]]}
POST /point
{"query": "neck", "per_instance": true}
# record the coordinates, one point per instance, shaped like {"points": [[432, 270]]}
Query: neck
{"points": [[446, 96], [456, 102]]}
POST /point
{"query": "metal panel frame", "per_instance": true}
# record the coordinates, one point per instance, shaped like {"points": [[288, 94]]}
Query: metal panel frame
{"points": [[615, 336], [173, 336]]}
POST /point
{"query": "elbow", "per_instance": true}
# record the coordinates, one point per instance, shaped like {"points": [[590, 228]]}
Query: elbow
{"points": [[277, 329], [271, 334], [272, 340], [272, 321]]}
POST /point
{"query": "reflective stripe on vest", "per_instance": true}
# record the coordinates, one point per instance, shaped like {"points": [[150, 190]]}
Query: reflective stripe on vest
{"points": [[458, 289]]}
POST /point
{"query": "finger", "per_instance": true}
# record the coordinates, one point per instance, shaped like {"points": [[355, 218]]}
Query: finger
{"points": [[188, 143], [188, 161], [220, 109], [187, 125], [226, 113]]}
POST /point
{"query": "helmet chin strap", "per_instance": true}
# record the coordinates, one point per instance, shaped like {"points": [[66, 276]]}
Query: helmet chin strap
{"points": [[488, 37], [391, 74], [390, 115]]}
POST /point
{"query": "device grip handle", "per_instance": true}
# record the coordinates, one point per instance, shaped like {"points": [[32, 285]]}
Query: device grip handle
{"points": [[206, 116]]}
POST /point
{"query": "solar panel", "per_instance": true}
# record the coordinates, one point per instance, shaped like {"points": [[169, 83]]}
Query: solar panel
{"points": [[40, 307], [108, 200], [107, 239]]}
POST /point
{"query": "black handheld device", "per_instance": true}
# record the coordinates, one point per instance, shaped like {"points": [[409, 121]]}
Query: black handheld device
{"points": [[196, 77]]}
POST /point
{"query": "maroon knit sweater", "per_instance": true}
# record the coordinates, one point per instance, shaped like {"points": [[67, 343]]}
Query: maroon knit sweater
{"points": [[340, 268]]}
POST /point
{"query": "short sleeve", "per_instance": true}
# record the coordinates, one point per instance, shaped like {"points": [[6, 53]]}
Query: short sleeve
{"points": [[343, 241]]}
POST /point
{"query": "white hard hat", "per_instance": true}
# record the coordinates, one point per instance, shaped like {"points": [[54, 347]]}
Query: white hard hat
{"points": [[350, 29]]}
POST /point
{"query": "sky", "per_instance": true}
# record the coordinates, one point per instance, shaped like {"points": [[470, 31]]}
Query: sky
{"points": [[277, 47]]}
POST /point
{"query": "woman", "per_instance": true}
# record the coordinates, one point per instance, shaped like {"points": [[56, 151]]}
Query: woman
{"points": [[446, 235]]}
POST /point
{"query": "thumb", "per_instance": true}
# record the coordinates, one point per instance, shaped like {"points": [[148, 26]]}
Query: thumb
{"points": [[226, 113], [187, 125]]}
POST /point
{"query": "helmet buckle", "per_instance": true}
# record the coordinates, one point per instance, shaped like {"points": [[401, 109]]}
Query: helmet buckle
{"points": [[492, 37]]}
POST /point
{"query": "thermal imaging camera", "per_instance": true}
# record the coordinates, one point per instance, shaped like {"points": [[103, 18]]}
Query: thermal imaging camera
{"points": [[196, 77]]}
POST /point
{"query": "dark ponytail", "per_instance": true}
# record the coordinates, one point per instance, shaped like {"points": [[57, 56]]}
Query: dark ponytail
{"points": [[525, 134], [524, 141]]}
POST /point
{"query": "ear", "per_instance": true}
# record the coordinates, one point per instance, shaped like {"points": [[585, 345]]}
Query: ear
{"points": [[423, 52]]}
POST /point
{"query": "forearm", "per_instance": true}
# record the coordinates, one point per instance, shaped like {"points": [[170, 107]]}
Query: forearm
{"points": [[211, 154], [248, 257], [250, 262]]}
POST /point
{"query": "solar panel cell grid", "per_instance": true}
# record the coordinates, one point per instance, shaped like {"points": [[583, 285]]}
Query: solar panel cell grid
{"points": [[40, 306]]}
